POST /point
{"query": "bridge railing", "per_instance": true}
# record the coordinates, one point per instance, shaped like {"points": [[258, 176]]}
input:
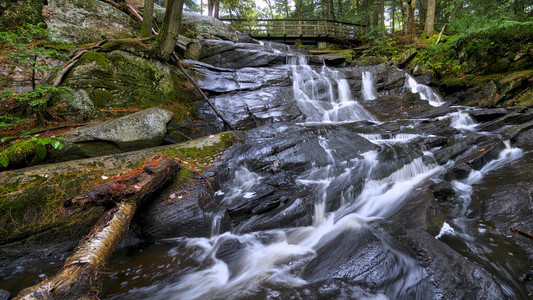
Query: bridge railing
{"points": [[296, 28]]}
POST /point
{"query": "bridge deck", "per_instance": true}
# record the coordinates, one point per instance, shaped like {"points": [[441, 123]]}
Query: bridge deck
{"points": [[303, 29]]}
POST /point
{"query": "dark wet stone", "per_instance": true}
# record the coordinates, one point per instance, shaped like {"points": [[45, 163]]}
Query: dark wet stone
{"points": [[443, 190], [485, 115], [483, 154], [458, 172], [437, 141], [513, 118], [399, 106], [4, 295]]}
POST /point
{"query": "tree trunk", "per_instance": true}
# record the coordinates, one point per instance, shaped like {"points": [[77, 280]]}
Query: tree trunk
{"points": [[393, 13], [148, 18], [217, 9], [210, 7], [375, 14], [331, 11], [409, 16], [382, 12], [430, 18], [80, 277], [171, 28], [340, 11], [286, 4]]}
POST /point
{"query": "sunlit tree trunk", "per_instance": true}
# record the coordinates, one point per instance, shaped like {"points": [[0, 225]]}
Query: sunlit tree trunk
{"points": [[210, 7], [216, 5], [171, 27], [430, 17], [299, 9], [148, 18]]}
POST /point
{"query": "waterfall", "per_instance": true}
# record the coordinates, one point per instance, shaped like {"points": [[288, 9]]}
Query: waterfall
{"points": [[324, 96], [462, 120], [369, 91], [426, 93]]}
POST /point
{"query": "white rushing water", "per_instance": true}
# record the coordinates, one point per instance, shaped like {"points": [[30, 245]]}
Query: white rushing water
{"points": [[369, 90], [462, 120], [324, 96], [426, 93]]}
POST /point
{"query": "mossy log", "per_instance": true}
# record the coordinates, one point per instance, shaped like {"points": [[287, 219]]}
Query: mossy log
{"points": [[80, 277]]}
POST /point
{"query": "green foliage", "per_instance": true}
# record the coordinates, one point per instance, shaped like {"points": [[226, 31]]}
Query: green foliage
{"points": [[383, 46], [26, 48], [21, 152]]}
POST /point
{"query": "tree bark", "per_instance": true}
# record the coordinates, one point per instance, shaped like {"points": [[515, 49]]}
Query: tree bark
{"points": [[210, 7], [80, 277], [330, 9], [393, 13], [148, 20], [217, 9], [382, 14], [409, 16], [375, 14], [430, 18], [340, 11], [171, 28], [299, 8]]}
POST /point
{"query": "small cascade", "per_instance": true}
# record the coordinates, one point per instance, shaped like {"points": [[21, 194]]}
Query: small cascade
{"points": [[426, 93], [369, 90], [324, 96], [462, 120], [243, 185]]}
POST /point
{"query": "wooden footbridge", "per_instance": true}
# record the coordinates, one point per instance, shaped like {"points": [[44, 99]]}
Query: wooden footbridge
{"points": [[290, 30]]}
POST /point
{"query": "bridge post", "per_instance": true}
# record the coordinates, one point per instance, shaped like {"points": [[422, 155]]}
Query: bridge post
{"points": [[284, 30], [300, 27]]}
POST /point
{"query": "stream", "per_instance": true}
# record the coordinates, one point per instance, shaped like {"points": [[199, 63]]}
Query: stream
{"points": [[336, 201]]}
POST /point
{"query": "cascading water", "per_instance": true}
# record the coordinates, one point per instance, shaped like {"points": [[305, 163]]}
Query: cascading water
{"points": [[342, 248], [324, 96], [426, 93], [369, 91]]}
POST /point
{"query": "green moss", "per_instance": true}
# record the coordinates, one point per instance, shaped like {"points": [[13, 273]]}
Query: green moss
{"points": [[19, 153], [33, 206], [119, 79], [19, 13], [97, 57]]}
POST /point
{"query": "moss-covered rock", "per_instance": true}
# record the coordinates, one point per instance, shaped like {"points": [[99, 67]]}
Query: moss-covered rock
{"points": [[31, 198], [86, 21], [16, 13], [119, 79]]}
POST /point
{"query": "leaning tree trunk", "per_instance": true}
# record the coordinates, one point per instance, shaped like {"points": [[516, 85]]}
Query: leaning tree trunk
{"points": [[80, 277], [171, 28]]}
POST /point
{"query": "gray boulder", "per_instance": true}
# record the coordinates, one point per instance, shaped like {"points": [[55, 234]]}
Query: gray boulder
{"points": [[79, 108], [86, 21], [144, 129]]}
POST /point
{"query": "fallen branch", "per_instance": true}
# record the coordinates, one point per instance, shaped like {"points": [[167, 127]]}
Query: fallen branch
{"points": [[176, 59], [521, 232], [80, 277], [440, 34]]}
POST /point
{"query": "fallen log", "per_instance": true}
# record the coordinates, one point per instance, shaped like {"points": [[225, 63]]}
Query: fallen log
{"points": [[80, 277]]}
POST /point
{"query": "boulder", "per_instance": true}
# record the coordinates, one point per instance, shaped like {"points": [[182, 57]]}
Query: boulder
{"points": [[87, 21], [405, 58], [119, 79], [227, 54], [144, 129], [512, 118], [78, 108], [485, 115], [406, 105], [15, 13]]}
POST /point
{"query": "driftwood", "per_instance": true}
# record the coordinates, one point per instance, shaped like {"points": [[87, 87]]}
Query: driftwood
{"points": [[521, 232], [80, 277]]}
